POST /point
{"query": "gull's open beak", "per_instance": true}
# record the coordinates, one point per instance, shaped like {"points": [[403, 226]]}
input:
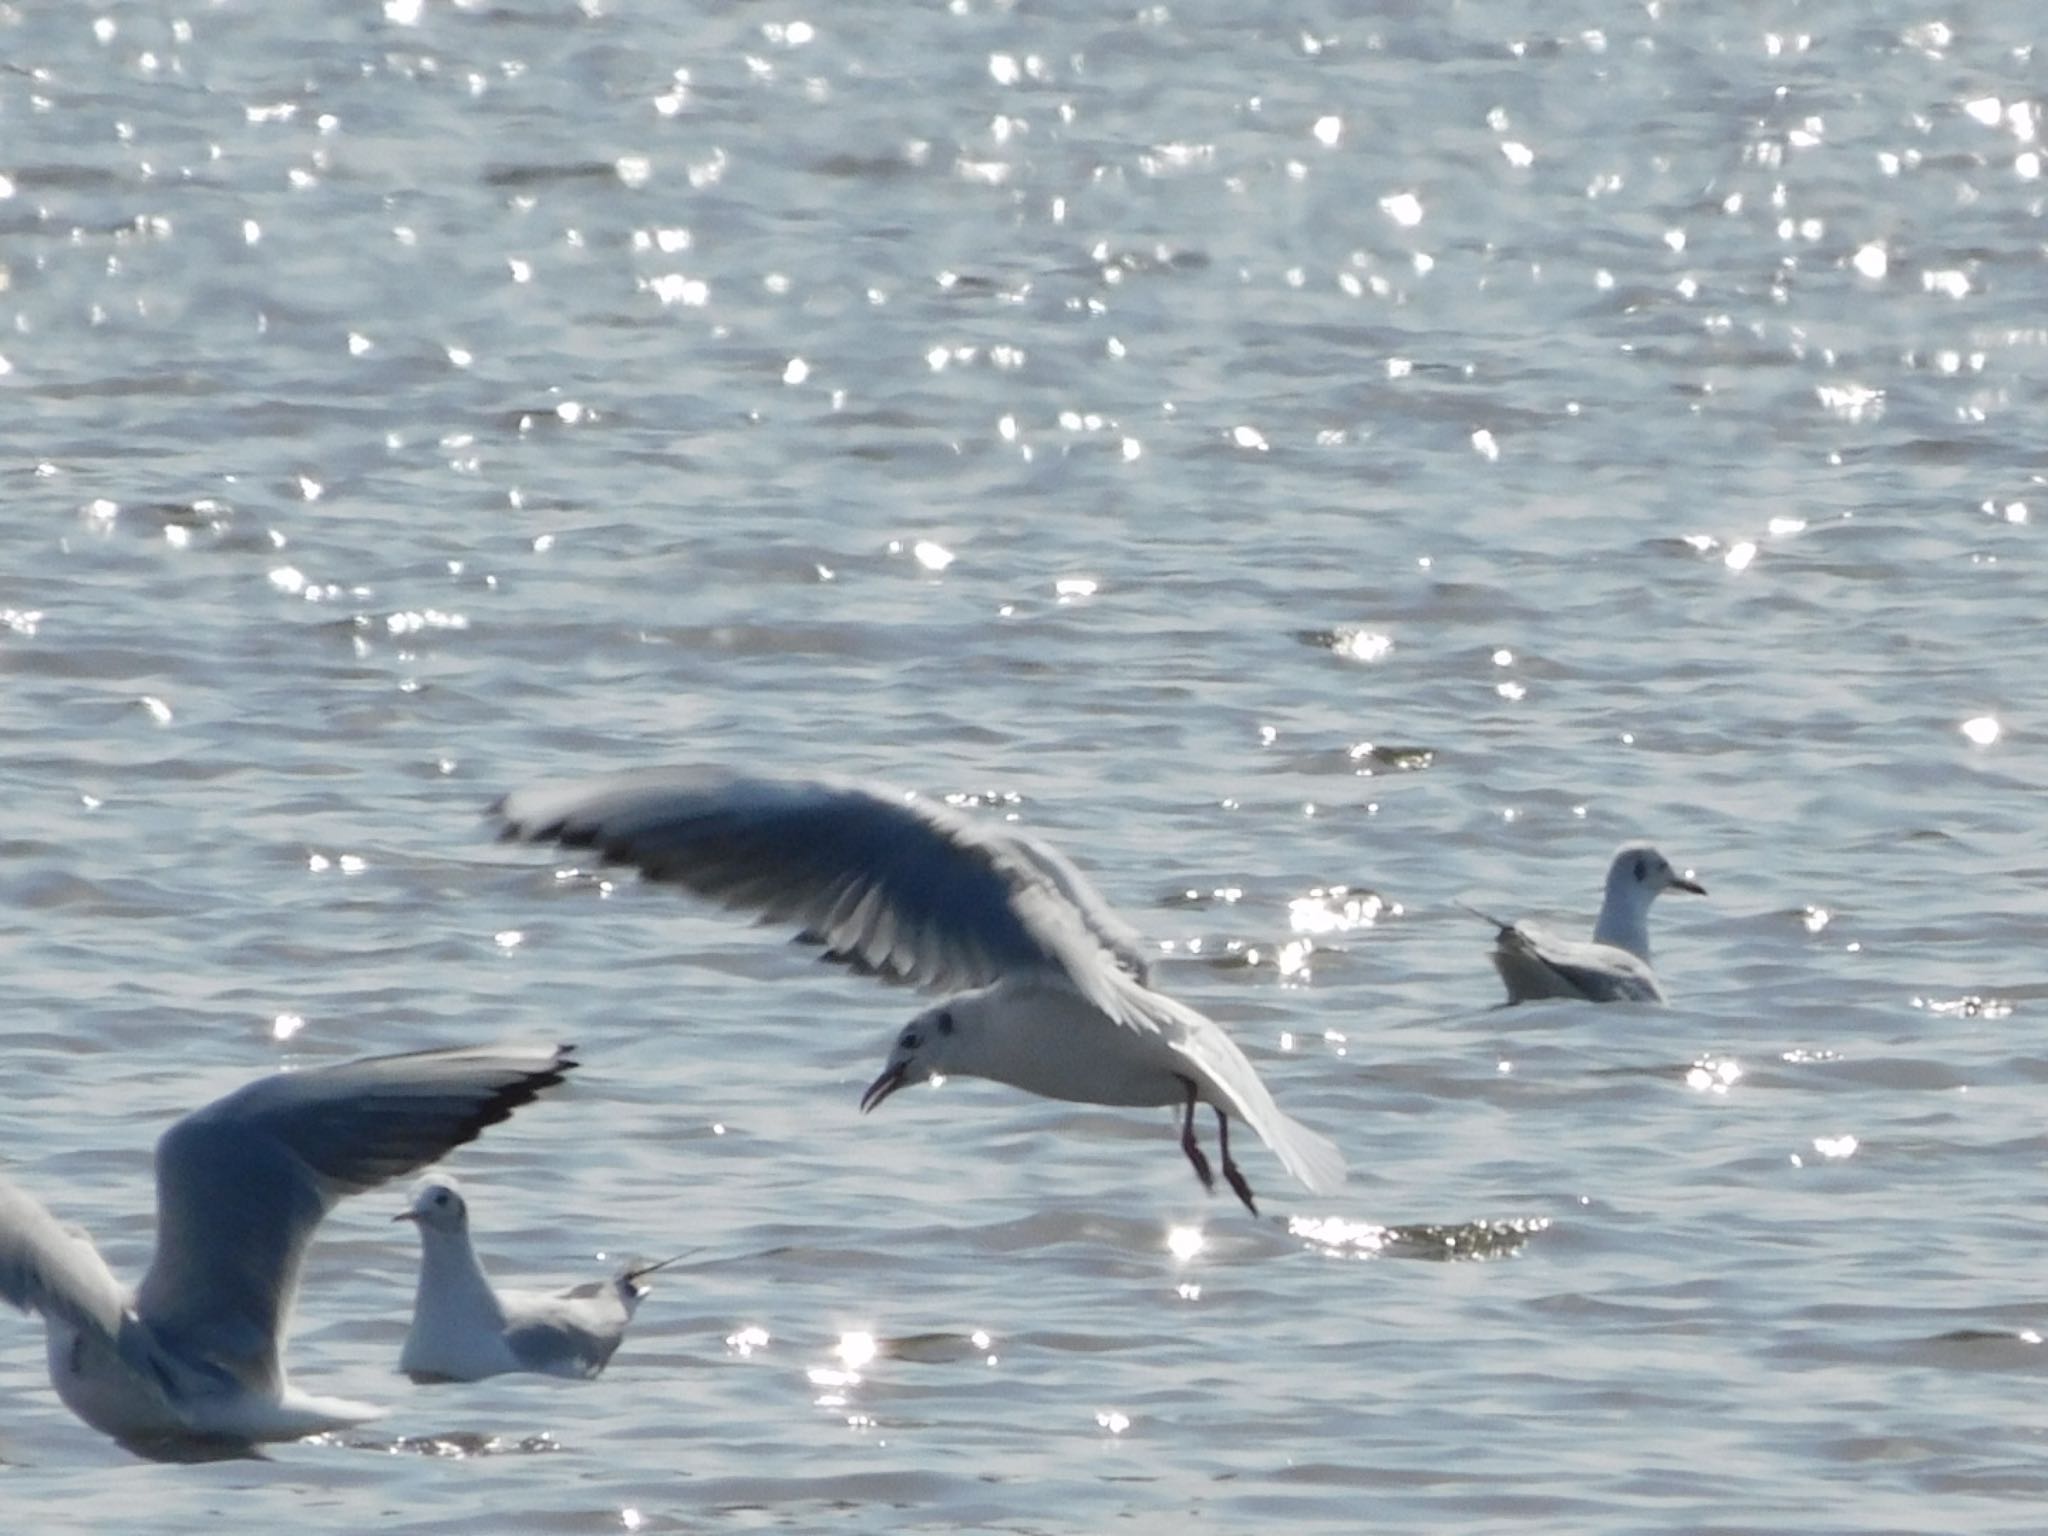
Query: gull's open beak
{"points": [[890, 1080], [407, 1216], [1687, 883]]}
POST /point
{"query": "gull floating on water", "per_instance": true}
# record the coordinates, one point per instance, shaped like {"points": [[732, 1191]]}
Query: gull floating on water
{"points": [[1058, 998], [1615, 965], [195, 1354], [464, 1329]]}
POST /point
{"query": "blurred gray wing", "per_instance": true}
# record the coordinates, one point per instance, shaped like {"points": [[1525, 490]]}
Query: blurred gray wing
{"points": [[53, 1270], [1536, 963], [242, 1183], [904, 887], [574, 1333], [1124, 944]]}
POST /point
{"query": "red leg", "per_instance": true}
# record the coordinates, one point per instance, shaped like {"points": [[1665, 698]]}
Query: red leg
{"points": [[1238, 1186], [1188, 1143]]}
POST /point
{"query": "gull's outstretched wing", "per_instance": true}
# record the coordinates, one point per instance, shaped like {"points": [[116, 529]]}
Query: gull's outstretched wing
{"points": [[902, 886], [242, 1183], [54, 1271]]}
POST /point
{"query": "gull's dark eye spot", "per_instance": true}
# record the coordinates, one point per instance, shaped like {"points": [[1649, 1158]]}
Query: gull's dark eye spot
{"points": [[440, 1197], [945, 1023], [1642, 868], [912, 1040]]}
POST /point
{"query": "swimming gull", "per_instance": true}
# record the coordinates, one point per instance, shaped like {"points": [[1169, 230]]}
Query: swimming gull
{"points": [[464, 1328], [196, 1353], [1615, 965], [1052, 988]]}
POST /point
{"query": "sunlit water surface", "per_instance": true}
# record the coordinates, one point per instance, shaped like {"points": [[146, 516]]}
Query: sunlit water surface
{"points": [[1316, 468]]}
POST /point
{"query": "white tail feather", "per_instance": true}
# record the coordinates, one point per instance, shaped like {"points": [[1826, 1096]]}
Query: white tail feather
{"points": [[1311, 1158]]}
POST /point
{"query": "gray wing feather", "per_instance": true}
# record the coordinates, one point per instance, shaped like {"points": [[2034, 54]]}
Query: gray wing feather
{"points": [[904, 887], [574, 1333], [557, 1351], [243, 1182], [1125, 944], [1535, 963], [53, 1270]]}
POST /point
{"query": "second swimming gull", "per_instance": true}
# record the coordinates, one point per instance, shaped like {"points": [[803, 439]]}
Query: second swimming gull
{"points": [[1615, 965], [464, 1328], [1057, 997], [196, 1353]]}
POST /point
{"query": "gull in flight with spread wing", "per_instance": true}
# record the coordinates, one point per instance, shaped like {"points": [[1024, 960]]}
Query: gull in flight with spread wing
{"points": [[464, 1328], [1051, 989], [1615, 965], [194, 1356]]}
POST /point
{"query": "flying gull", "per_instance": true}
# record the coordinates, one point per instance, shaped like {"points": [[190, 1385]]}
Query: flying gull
{"points": [[1051, 989]]}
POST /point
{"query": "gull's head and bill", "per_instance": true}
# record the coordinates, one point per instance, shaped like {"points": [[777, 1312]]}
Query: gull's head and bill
{"points": [[438, 1207], [1638, 875], [191, 1362], [1614, 966], [924, 1050], [464, 1328], [1050, 988]]}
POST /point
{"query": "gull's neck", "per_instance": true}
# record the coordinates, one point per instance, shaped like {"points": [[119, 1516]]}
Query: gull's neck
{"points": [[453, 1283], [1625, 913]]}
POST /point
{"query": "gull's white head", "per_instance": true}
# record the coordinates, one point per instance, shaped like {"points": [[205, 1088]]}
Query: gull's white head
{"points": [[1640, 873], [924, 1049], [437, 1206]]}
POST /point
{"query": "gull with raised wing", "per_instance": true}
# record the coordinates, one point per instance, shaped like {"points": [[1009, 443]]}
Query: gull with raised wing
{"points": [[1615, 965], [195, 1354], [1051, 988], [464, 1328]]}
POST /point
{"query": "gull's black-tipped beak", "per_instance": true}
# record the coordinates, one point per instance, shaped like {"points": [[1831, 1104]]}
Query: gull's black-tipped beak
{"points": [[407, 1216], [890, 1080], [1687, 883]]}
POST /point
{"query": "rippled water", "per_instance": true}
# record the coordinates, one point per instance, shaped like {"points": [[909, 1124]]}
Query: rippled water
{"points": [[1316, 469]]}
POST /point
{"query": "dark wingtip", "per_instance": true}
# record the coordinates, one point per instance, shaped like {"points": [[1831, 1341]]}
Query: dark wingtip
{"points": [[510, 828], [1486, 917], [515, 829], [634, 1274], [520, 1092]]}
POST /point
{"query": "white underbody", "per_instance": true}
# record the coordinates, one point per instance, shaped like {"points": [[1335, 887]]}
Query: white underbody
{"points": [[1054, 1042], [1049, 1039], [102, 1389]]}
